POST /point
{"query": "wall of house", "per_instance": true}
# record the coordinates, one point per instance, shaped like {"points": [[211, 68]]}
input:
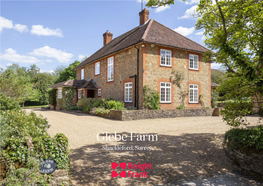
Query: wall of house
{"points": [[125, 65], [154, 74]]}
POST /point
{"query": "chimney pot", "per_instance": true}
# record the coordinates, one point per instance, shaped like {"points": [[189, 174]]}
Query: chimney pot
{"points": [[107, 37], [144, 16]]}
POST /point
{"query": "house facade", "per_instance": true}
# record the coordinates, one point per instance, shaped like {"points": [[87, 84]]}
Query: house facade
{"points": [[147, 55]]}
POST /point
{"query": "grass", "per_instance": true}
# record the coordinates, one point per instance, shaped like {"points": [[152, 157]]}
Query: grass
{"points": [[36, 106]]}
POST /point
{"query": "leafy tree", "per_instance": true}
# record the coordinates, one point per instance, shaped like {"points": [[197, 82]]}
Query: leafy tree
{"points": [[33, 70], [57, 71], [68, 73], [16, 83], [41, 82], [217, 76]]}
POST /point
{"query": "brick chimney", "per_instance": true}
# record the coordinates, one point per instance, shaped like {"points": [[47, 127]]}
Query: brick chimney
{"points": [[144, 16], [107, 37]]}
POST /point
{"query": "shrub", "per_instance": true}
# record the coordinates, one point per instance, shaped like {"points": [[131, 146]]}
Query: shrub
{"points": [[87, 109], [180, 107], [245, 139], [28, 175], [25, 137], [99, 111], [69, 97], [85, 102], [151, 99], [113, 104], [99, 103], [7, 103], [52, 96]]}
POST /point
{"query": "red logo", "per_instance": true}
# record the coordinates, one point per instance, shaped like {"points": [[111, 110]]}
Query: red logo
{"points": [[131, 166], [114, 165]]}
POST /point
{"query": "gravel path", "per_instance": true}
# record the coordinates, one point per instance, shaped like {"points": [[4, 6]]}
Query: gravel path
{"points": [[187, 148]]}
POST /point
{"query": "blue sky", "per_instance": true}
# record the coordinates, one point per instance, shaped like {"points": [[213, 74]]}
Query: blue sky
{"points": [[54, 33]]}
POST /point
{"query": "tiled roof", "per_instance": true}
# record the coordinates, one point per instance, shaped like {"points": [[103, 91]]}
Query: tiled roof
{"points": [[151, 32], [88, 84]]}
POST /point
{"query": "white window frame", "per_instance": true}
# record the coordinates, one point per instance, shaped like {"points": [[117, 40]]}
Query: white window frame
{"points": [[110, 65], [165, 58], [195, 63], [195, 87], [166, 87], [127, 90], [80, 93], [59, 93], [99, 92], [82, 74], [97, 68]]}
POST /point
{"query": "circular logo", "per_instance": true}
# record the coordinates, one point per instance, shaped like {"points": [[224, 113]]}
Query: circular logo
{"points": [[47, 166]]}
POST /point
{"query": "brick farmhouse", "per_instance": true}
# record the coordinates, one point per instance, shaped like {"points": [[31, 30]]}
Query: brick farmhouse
{"points": [[145, 55]]}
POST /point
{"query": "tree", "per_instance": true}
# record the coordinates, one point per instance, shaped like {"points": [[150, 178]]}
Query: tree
{"points": [[216, 76], [33, 70], [41, 82], [15, 82], [68, 73]]}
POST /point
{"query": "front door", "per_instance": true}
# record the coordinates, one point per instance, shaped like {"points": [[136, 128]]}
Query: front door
{"points": [[90, 93]]}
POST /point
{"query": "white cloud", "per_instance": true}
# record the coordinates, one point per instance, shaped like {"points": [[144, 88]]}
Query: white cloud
{"points": [[20, 28], [203, 38], [5, 23], [215, 65], [41, 31], [46, 71], [199, 33], [8, 64], [192, 2], [62, 57], [80, 57], [189, 13], [11, 55], [184, 31], [161, 8]]}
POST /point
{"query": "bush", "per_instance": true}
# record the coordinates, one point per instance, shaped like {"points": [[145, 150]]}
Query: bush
{"points": [[85, 102], [25, 176], [151, 99], [180, 107], [113, 104], [25, 137], [99, 103], [52, 96], [7, 103], [100, 111], [245, 139]]}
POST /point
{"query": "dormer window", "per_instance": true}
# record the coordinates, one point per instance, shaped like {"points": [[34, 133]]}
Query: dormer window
{"points": [[166, 56]]}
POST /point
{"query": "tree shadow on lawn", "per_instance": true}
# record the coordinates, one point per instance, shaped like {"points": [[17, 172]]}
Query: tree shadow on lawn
{"points": [[188, 156]]}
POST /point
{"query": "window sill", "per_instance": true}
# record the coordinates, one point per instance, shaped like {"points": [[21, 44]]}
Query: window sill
{"points": [[193, 69], [193, 103], [166, 66], [165, 102], [127, 101]]}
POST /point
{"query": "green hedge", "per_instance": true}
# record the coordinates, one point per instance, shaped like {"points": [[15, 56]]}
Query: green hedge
{"points": [[245, 140]]}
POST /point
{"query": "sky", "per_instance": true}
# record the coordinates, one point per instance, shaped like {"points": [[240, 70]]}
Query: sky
{"points": [[54, 33]]}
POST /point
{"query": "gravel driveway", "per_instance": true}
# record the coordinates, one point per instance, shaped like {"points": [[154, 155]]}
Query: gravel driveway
{"points": [[187, 148]]}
